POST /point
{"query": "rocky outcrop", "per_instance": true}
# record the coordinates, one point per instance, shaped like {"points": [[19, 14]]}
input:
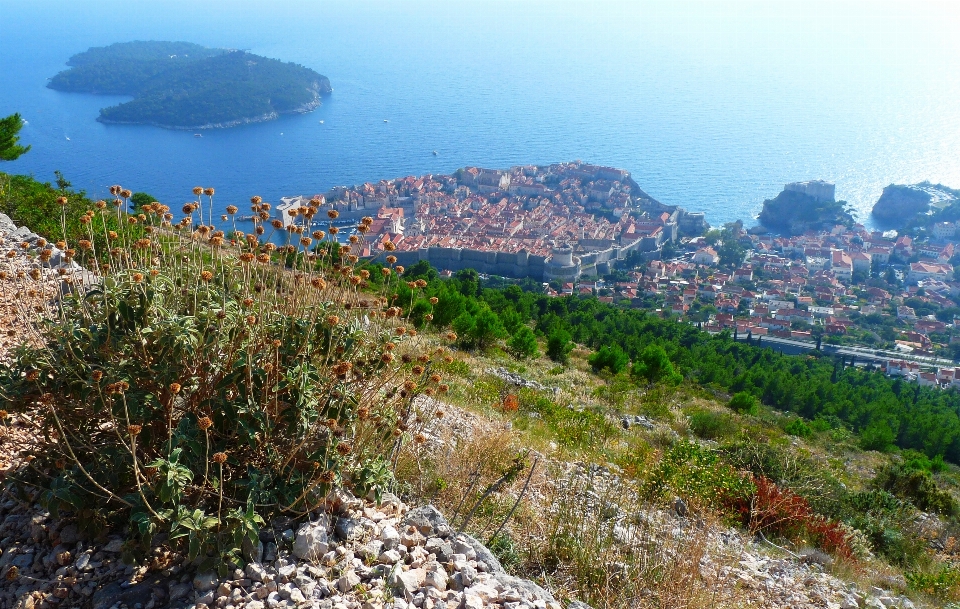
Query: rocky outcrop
{"points": [[355, 554], [899, 203], [902, 204], [804, 206]]}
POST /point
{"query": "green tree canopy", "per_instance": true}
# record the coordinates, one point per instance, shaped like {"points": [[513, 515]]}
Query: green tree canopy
{"points": [[10, 127], [610, 357], [559, 345], [654, 365], [523, 343]]}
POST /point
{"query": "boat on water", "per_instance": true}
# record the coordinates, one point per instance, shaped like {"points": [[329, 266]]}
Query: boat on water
{"points": [[435, 153], [321, 122], [68, 139], [197, 135], [386, 121]]}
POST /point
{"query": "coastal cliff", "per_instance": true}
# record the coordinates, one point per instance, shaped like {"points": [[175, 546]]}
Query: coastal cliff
{"points": [[804, 206], [903, 204]]}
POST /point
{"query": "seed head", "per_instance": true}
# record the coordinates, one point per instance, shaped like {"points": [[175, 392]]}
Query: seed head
{"points": [[197, 190], [220, 458], [334, 230], [62, 201], [256, 199], [333, 214], [138, 277], [208, 191], [389, 246], [332, 320], [134, 430], [327, 477], [206, 276], [344, 448], [418, 370], [204, 423], [174, 388], [386, 358]]}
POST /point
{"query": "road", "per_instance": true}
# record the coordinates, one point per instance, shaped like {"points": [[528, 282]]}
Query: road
{"points": [[862, 354]]}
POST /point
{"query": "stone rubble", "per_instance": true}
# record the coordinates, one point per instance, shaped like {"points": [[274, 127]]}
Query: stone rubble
{"points": [[359, 556], [519, 381]]}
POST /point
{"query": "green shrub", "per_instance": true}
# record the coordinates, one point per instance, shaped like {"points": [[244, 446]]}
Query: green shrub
{"points": [[699, 474], [745, 403], [881, 517], [199, 390], [942, 584], [653, 365], [611, 358], [523, 343], [559, 346], [797, 427], [916, 486], [712, 425]]}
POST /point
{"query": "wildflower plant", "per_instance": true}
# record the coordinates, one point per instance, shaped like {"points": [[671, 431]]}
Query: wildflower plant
{"points": [[204, 381]]}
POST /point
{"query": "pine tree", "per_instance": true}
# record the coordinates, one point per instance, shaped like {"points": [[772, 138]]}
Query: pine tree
{"points": [[10, 127]]}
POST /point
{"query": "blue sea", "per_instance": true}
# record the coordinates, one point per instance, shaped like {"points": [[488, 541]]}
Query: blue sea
{"points": [[712, 105]]}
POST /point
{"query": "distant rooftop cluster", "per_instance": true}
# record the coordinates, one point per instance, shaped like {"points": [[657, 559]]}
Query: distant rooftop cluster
{"points": [[526, 212]]}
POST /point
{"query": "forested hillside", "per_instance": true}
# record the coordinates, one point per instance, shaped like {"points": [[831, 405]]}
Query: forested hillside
{"points": [[884, 412]]}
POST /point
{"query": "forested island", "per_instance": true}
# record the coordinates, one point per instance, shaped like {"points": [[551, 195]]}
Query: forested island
{"points": [[180, 85]]}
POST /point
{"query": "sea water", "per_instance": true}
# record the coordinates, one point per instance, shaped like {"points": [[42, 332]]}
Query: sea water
{"points": [[710, 105]]}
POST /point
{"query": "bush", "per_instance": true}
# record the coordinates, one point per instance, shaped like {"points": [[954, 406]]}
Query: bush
{"points": [[699, 474], [745, 403], [712, 425], [559, 346], [780, 511], [797, 427], [610, 358], [654, 366], [523, 344], [916, 486], [201, 389], [942, 584], [881, 517]]}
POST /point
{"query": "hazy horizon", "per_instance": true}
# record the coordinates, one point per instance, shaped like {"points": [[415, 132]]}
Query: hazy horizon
{"points": [[710, 105]]}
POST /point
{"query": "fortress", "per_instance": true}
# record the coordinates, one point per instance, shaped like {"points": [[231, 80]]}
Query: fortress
{"points": [[820, 190]]}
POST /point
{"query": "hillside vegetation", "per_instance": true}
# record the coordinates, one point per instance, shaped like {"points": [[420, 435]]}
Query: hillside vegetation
{"points": [[183, 85], [213, 382]]}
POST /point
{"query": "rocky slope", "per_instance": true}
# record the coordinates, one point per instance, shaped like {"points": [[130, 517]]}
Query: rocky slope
{"points": [[900, 204]]}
